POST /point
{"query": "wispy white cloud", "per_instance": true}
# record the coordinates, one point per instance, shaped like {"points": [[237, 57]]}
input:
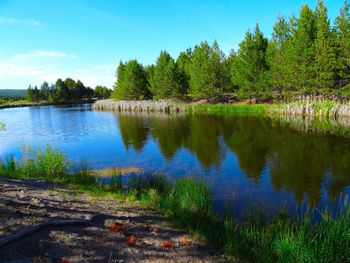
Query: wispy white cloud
{"points": [[43, 54], [109, 66], [33, 67], [8, 69], [52, 54], [100, 69], [19, 21], [12, 75], [107, 69]]}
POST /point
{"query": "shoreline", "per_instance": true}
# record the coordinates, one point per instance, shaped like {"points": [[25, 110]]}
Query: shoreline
{"points": [[187, 203], [37, 104], [61, 222], [307, 107]]}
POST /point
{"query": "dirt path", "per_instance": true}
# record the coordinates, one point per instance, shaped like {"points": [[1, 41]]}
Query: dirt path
{"points": [[72, 227]]}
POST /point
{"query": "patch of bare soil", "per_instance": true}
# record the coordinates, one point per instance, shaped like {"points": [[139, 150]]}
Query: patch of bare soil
{"points": [[44, 222]]}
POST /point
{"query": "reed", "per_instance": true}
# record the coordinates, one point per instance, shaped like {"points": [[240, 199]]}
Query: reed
{"points": [[139, 105], [309, 106], [324, 108]]}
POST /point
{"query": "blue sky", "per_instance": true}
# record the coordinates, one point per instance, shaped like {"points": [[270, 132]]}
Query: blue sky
{"points": [[43, 40]]}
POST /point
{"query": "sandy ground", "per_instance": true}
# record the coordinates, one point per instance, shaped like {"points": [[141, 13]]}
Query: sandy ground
{"points": [[73, 227]]}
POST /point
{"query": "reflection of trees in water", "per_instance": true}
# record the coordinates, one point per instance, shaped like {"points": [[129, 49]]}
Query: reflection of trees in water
{"points": [[247, 139], [340, 166], [170, 131], [305, 158], [297, 161], [339, 126], [2, 126], [134, 130], [204, 140], [299, 164]]}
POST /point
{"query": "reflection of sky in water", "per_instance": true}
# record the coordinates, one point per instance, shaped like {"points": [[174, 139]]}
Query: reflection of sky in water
{"points": [[233, 154]]}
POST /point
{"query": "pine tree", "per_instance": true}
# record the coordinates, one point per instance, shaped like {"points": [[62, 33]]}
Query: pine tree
{"points": [[324, 50], [131, 82], [301, 52], [278, 75], [228, 85], [164, 82], [62, 91], [206, 72], [249, 71], [80, 90], [342, 31], [44, 91], [183, 62], [70, 84]]}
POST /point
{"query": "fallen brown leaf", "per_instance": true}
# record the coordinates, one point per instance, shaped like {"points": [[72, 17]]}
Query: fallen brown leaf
{"points": [[167, 245], [131, 240], [186, 242], [118, 227]]}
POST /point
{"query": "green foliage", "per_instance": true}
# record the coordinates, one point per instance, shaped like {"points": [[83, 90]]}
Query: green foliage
{"points": [[49, 163], [33, 94], [164, 81], [206, 72], [236, 109], [62, 91], [132, 82], [276, 56], [342, 33], [250, 68], [227, 64], [183, 62], [301, 52], [102, 92], [324, 47]]}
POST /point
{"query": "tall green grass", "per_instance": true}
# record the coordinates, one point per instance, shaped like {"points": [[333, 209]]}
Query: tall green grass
{"points": [[188, 203], [237, 109], [47, 164]]}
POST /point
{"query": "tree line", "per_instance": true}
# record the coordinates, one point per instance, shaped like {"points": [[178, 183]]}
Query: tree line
{"points": [[67, 90], [305, 55]]}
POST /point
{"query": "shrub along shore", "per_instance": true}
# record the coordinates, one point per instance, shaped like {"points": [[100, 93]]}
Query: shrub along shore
{"points": [[188, 203]]}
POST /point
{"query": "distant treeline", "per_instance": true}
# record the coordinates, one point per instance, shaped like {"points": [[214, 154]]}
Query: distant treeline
{"points": [[12, 94], [305, 55], [65, 91]]}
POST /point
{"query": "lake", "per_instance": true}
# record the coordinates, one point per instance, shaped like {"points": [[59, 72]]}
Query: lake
{"points": [[245, 159]]}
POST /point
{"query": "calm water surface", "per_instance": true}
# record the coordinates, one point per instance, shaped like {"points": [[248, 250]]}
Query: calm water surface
{"points": [[245, 159]]}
